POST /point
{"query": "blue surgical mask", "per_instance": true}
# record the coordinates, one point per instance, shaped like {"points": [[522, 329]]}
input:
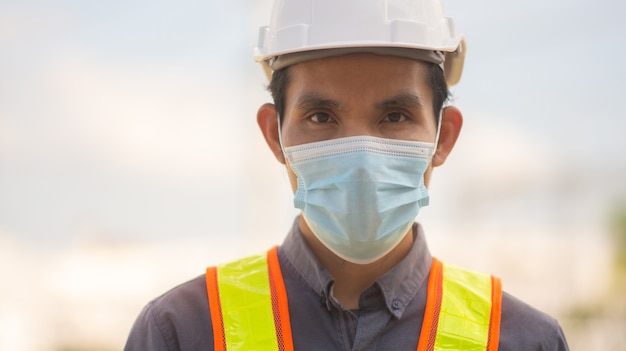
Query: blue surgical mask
{"points": [[360, 195]]}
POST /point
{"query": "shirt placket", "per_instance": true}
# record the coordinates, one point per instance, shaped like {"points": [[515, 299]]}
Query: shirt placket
{"points": [[347, 324], [373, 319], [359, 330]]}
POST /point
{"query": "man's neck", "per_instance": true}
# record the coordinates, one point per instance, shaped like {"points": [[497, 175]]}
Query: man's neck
{"points": [[352, 279]]}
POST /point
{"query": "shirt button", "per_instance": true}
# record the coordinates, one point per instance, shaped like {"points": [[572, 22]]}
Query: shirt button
{"points": [[396, 304]]}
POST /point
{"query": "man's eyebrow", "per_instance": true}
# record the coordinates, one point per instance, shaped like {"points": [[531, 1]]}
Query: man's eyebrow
{"points": [[406, 99], [309, 101]]}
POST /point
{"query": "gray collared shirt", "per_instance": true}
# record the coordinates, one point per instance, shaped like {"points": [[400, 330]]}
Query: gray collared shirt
{"points": [[389, 317]]}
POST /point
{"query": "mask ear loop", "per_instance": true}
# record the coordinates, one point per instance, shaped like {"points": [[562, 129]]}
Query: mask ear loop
{"points": [[438, 132], [280, 135]]}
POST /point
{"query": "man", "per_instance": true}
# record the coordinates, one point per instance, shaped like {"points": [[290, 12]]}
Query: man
{"points": [[359, 122]]}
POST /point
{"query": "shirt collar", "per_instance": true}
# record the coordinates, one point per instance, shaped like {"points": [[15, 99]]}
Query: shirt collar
{"points": [[401, 283], [398, 286], [302, 259]]}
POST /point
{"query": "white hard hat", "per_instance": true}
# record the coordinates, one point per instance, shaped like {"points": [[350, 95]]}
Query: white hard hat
{"points": [[301, 26]]}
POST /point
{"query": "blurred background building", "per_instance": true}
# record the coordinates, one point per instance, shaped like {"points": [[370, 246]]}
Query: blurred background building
{"points": [[130, 160]]}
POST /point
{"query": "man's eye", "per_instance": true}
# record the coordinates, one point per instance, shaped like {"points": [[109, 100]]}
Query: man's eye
{"points": [[395, 117], [320, 117]]}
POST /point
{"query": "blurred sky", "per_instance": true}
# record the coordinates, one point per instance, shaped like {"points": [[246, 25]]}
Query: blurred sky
{"points": [[135, 120]]}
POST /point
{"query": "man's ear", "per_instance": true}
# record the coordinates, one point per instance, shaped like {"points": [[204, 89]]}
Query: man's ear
{"points": [[266, 118], [451, 123]]}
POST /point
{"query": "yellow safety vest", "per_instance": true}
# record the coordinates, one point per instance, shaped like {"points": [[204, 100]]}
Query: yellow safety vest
{"points": [[249, 307]]}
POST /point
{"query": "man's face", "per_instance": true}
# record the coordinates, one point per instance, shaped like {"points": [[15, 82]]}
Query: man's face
{"points": [[359, 94]]}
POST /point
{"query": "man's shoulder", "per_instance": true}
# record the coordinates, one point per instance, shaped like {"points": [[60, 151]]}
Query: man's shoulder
{"points": [[183, 296], [523, 327], [174, 320]]}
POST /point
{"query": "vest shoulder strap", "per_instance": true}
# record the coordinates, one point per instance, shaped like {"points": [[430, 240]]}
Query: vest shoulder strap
{"points": [[462, 310], [253, 293]]}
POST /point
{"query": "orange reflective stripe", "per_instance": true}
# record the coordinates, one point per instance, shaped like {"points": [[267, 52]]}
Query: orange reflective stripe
{"points": [[433, 305], [278, 295], [280, 302], [432, 311], [219, 343], [496, 311]]}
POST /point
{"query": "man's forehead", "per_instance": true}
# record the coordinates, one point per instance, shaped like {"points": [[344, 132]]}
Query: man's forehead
{"points": [[405, 98], [360, 64], [382, 81]]}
